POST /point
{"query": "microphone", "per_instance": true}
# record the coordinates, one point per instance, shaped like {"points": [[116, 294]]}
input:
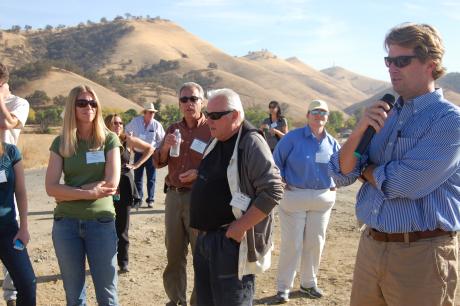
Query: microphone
{"points": [[370, 131]]}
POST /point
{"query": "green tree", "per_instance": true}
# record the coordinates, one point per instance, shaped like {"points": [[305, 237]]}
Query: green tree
{"points": [[335, 121], [255, 115], [39, 97], [48, 117]]}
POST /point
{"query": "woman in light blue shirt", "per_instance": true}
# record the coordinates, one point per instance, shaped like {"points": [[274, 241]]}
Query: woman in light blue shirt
{"points": [[303, 156]]}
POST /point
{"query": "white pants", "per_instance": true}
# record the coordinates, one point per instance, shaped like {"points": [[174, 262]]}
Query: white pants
{"points": [[304, 215]]}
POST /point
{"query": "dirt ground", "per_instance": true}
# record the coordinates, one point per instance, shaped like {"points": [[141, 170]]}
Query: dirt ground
{"points": [[143, 284]]}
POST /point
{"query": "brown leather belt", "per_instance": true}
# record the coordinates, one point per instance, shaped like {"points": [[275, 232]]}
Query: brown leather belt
{"points": [[178, 189], [408, 237], [333, 188]]}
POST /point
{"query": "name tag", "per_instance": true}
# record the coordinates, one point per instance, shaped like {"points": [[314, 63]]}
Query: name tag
{"points": [[198, 146], [143, 136], [241, 201], [3, 176], [95, 157], [273, 125], [322, 158]]}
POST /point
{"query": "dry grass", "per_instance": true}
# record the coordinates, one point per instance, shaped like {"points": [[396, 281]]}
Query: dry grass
{"points": [[35, 149]]}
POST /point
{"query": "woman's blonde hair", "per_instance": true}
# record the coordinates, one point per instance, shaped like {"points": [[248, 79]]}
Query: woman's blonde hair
{"points": [[69, 136]]}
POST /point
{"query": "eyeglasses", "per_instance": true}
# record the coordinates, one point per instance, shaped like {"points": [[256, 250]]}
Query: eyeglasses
{"points": [[319, 112], [185, 99], [84, 103], [272, 106], [216, 115], [399, 61], [117, 123]]}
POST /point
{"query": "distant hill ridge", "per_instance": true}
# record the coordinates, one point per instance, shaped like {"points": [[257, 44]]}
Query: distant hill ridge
{"points": [[145, 59]]}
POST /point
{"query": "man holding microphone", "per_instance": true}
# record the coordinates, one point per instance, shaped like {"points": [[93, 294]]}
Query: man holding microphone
{"points": [[410, 197]]}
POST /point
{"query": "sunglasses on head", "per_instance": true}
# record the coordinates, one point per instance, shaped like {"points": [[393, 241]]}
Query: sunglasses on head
{"points": [[399, 61], [84, 103], [216, 115], [185, 99], [319, 112]]}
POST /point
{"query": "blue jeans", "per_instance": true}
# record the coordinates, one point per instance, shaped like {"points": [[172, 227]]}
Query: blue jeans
{"points": [[139, 175], [74, 240], [19, 267], [215, 262]]}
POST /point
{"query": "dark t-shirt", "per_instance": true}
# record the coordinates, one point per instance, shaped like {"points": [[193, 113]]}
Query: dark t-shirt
{"points": [[210, 198], [10, 157]]}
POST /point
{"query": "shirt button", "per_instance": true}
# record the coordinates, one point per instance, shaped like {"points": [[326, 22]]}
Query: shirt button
{"points": [[308, 156], [400, 122], [375, 211]]}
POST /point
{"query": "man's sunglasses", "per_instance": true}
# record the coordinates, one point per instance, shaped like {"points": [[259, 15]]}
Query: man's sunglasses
{"points": [[84, 103], [319, 112], [185, 99], [399, 61], [216, 115]]}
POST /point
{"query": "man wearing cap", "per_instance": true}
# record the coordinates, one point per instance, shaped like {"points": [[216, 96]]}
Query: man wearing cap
{"points": [[151, 131], [303, 156]]}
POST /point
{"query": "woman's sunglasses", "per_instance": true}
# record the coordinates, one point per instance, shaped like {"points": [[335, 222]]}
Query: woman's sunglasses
{"points": [[84, 103], [216, 115], [117, 123], [399, 61]]}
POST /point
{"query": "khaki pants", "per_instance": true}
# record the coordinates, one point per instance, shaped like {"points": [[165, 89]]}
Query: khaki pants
{"points": [[177, 238], [404, 274]]}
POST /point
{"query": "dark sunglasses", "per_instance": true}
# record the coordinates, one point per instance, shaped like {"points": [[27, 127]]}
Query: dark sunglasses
{"points": [[319, 112], [216, 115], [84, 103], [272, 106], [399, 61], [117, 123], [185, 99]]}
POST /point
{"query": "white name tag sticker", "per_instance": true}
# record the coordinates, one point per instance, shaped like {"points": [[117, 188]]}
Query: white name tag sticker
{"points": [[3, 176], [95, 157], [198, 146], [143, 136], [322, 158], [273, 125], [241, 201]]}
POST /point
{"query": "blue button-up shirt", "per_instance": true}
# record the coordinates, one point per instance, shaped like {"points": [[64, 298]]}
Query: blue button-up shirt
{"points": [[153, 133], [417, 154], [303, 159]]}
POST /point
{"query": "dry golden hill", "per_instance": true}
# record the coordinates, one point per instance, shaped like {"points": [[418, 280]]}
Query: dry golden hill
{"points": [[364, 84], [60, 82], [257, 77]]}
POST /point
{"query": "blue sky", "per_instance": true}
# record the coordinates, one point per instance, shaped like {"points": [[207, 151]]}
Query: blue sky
{"points": [[321, 33]]}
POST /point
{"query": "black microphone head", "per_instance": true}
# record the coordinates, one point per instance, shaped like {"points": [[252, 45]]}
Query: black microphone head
{"points": [[390, 99]]}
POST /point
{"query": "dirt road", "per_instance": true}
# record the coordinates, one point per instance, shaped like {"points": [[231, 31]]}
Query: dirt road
{"points": [[143, 284]]}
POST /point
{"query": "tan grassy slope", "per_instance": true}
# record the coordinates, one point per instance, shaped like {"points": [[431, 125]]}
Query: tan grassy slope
{"points": [[258, 78], [60, 82]]}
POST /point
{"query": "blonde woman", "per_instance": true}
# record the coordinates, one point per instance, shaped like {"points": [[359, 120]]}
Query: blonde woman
{"points": [[127, 192], [84, 218]]}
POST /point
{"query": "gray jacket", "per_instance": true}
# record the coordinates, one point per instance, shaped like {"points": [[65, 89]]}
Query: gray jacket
{"points": [[260, 179]]}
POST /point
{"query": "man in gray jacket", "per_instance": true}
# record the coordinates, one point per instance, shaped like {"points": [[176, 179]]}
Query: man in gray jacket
{"points": [[232, 203]]}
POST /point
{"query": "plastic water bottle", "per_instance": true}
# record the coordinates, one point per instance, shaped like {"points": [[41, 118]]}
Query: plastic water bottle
{"points": [[175, 149]]}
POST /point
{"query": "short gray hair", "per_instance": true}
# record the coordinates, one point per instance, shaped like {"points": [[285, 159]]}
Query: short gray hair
{"points": [[192, 85], [233, 99]]}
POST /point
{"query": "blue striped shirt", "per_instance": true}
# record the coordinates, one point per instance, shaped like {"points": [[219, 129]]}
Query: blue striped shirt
{"points": [[417, 154], [303, 159]]}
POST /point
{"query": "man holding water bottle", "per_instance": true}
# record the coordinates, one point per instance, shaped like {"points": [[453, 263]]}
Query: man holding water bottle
{"points": [[182, 154]]}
